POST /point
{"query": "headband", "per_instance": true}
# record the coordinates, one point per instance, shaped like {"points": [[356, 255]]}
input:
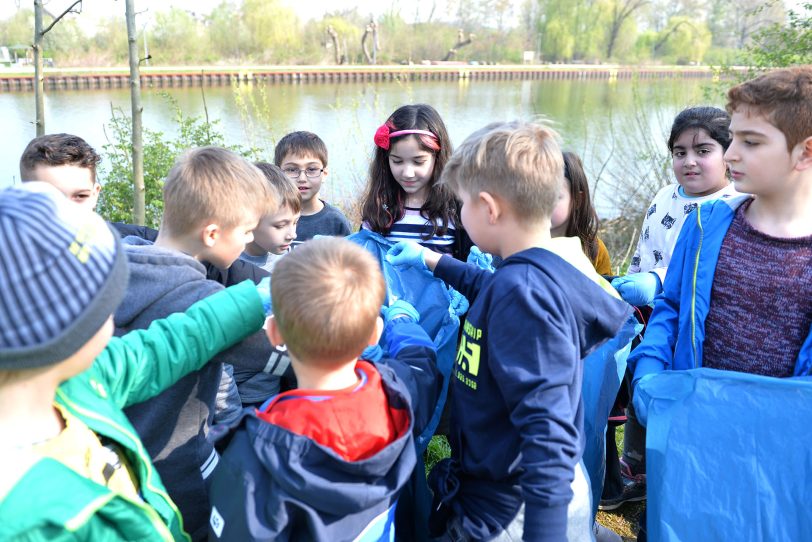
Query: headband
{"points": [[383, 135]]}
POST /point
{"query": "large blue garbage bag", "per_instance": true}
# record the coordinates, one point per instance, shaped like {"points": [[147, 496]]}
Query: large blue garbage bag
{"points": [[603, 372], [437, 308], [728, 456]]}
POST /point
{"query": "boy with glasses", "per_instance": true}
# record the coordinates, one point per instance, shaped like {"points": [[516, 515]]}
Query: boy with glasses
{"points": [[303, 158]]}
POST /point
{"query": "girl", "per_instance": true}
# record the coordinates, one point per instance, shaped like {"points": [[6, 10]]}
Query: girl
{"points": [[698, 141], [574, 215], [403, 200]]}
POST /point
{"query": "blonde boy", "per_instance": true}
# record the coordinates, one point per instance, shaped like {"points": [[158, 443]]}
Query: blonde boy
{"points": [[213, 200], [516, 403], [303, 158], [327, 461], [276, 230], [73, 466]]}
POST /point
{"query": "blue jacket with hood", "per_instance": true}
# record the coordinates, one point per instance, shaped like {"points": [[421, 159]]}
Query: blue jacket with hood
{"points": [[676, 330], [273, 484]]}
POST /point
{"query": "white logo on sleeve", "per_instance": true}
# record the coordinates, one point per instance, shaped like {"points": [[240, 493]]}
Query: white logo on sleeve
{"points": [[217, 522]]}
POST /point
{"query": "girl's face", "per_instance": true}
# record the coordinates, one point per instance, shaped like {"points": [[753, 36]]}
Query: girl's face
{"points": [[560, 218], [412, 168], [698, 162]]}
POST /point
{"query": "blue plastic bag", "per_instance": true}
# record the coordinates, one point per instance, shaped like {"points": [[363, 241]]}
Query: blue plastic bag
{"points": [[439, 309], [728, 456]]}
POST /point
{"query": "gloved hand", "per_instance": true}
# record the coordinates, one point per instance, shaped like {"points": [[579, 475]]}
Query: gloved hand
{"points": [[479, 258], [407, 254], [459, 303], [264, 291], [638, 288], [641, 400], [400, 308], [372, 353]]}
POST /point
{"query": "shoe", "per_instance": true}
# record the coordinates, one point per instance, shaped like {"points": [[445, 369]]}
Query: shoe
{"points": [[604, 534], [633, 491]]}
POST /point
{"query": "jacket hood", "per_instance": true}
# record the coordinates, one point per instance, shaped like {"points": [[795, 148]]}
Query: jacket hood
{"points": [[157, 274], [599, 316]]}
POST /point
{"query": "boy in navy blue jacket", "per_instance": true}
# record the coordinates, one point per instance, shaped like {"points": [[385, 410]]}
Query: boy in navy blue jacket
{"points": [[516, 410], [327, 461]]}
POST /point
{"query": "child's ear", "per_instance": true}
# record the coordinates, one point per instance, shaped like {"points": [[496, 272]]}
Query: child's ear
{"points": [[493, 205], [377, 332], [272, 330], [805, 159], [325, 172], [210, 235]]}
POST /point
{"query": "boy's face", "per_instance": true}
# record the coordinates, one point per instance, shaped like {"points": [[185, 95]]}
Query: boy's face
{"points": [[276, 231], [226, 244], [75, 182], [303, 167], [758, 159]]}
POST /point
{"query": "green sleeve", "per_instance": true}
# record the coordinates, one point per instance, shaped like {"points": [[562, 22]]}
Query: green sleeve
{"points": [[143, 363]]}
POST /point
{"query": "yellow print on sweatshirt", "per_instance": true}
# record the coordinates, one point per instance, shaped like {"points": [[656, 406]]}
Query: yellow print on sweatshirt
{"points": [[468, 355]]}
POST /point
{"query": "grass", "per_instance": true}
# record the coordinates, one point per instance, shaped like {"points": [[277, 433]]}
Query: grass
{"points": [[623, 521]]}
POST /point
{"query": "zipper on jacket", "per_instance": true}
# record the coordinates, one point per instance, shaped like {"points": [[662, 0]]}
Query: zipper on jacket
{"points": [[152, 514], [693, 283]]}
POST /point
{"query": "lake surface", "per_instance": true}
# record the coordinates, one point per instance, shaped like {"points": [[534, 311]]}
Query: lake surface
{"points": [[594, 117]]}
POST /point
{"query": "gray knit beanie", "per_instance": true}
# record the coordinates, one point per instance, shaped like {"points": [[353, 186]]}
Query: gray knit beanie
{"points": [[62, 274]]}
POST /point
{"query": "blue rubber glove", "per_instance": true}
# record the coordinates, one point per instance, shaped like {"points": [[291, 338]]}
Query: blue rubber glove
{"points": [[638, 288], [372, 353], [459, 303], [407, 254], [400, 308], [264, 291], [479, 258]]}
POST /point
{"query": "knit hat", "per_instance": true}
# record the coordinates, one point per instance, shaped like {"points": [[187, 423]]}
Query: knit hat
{"points": [[62, 274]]}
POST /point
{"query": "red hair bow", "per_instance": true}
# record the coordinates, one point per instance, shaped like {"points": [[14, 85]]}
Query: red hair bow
{"points": [[381, 138]]}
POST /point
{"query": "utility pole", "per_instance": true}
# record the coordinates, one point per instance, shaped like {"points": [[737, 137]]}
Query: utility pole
{"points": [[139, 192]]}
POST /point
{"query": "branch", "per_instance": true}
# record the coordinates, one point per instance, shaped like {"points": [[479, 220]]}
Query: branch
{"points": [[69, 10]]}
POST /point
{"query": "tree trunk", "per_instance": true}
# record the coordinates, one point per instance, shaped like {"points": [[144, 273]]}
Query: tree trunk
{"points": [[39, 86], [139, 192]]}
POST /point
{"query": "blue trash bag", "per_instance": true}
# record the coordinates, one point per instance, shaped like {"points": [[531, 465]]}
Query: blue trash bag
{"points": [[728, 456], [603, 373], [439, 307]]}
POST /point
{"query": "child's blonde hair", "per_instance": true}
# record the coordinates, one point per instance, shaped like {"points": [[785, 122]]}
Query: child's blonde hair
{"points": [[517, 161], [213, 185], [327, 295], [285, 187]]}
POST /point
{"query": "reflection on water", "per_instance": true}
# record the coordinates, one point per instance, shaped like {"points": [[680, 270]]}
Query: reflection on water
{"points": [[346, 115]]}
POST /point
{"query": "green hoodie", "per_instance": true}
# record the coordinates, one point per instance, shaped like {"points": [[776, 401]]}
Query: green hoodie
{"points": [[41, 499]]}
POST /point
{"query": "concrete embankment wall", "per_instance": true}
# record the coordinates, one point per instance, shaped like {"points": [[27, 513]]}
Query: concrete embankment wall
{"points": [[77, 79]]}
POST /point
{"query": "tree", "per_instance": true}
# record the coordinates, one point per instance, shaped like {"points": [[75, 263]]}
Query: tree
{"points": [[139, 192], [620, 12]]}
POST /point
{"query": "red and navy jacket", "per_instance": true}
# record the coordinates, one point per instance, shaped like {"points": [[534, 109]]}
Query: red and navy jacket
{"points": [[288, 474]]}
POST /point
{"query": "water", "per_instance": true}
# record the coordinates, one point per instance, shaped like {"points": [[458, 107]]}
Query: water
{"points": [[594, 117]]}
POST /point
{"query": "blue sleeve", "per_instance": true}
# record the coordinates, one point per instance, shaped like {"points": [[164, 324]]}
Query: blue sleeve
{"points": [[535, 373], [465, 278], [656, 352], [413, 358]]}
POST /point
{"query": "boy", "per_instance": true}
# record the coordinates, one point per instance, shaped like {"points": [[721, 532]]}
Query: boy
{"points": [[213, 199], [73, 466], [516, 409], [277, 230], [328, 461], [66, 161], [303, 158], [762, 241]]}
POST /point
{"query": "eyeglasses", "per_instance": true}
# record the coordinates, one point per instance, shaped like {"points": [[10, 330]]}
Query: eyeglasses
{"points": [[310, 173]]}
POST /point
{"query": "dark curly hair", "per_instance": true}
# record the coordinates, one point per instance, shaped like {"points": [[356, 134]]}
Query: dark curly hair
{"points": [[57, 150], [713, 120]]}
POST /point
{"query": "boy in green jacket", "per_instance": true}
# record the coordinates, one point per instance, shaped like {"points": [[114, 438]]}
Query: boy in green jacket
{"points": [[72, 466]]}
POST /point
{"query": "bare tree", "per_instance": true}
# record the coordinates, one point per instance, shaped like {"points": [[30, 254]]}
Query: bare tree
{"points": [[139, 190], [370, 30], [621, 11], [39, 76], [462, 41], [339, 56]]}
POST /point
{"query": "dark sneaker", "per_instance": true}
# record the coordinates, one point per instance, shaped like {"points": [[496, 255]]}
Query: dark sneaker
{"points": [[633, 491]]}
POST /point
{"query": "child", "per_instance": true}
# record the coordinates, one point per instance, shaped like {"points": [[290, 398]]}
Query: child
{"points": [[516, 407], [303, 158], [213, 199], [66, 161], [327, 461], [73, 466], [698, 140], [574, 215], [276, 231], [403, 199]]}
